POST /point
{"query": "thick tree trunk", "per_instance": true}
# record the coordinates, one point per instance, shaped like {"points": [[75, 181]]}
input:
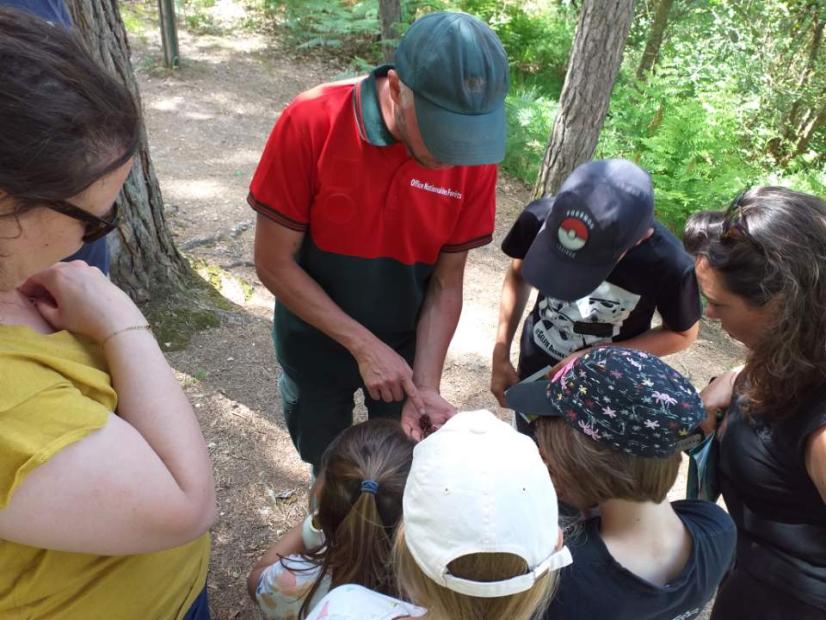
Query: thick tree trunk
{"points": [[655, 39], [390, 12], [595, 60], [145, 262]]}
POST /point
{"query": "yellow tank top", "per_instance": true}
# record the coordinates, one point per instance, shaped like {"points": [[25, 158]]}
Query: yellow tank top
{"points": [[54, 390]]}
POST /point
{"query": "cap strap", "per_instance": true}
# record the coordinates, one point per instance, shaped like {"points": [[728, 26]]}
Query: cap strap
{"points": [[514, 585], [369, 486]]}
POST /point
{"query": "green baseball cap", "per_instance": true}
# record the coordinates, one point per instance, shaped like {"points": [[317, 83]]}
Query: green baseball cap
{"points": [[458, 72]]}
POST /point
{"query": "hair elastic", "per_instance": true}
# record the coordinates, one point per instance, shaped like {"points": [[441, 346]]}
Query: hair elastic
{"points": [[369, 486]]}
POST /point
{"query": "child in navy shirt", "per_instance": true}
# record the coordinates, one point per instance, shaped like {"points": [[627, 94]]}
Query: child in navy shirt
{"points": [[611, 428]]}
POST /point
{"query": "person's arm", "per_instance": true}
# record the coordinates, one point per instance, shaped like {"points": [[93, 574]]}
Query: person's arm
{"points": [[658, 341], [385, 373], [438, 318], [515, 293], [662, 341], [816, 460], [290, 543], [717, 396], [141, 483]]}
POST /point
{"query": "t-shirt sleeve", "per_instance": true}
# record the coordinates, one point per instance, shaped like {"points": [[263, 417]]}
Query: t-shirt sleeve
{"points": [[678, 301], [283, 586], [525, 228], [38, 427], [282, 187], [476, 220], [354, 602]]}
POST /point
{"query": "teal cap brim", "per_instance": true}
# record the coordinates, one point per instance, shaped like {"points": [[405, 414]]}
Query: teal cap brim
{"points": [[462, 139]]}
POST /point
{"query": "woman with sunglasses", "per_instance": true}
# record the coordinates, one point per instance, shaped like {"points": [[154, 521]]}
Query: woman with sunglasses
{"points": [[762, 267], [106, 491]]}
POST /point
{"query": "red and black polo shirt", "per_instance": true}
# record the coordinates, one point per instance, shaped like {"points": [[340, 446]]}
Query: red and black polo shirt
{"points": [[375, 220]]}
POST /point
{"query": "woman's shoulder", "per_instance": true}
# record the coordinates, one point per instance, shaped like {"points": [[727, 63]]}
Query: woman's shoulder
{"points": [[353, 602], [52, 394]]}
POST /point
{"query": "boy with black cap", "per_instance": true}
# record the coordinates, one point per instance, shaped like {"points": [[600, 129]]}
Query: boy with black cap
{"points": [[602, 265], [611, 428]]}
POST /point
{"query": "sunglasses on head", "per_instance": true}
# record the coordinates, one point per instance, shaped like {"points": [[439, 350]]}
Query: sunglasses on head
{"points": [[96, 227], [735, 226]]}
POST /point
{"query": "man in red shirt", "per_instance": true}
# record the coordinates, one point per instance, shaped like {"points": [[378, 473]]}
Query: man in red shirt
{"points": [[369, 195]]}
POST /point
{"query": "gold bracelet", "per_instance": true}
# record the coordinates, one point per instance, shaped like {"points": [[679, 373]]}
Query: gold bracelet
{"points": [[125, 329]]}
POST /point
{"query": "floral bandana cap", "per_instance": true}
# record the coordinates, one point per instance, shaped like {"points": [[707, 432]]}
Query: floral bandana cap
{"points": [[627, 399]]}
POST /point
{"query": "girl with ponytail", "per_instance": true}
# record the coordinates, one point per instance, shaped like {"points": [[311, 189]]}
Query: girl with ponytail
{"points": [[348, 540]]}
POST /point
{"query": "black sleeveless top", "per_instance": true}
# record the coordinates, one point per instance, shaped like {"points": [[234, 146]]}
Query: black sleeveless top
{"points": [[779, 513]]}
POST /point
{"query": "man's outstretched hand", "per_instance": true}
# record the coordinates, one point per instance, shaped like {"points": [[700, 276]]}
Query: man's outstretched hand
{"points": [[437, 412]]}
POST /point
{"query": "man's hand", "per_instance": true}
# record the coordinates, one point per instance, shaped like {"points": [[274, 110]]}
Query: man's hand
{"points": [[436, 408], [503, 374], [386, 374]]}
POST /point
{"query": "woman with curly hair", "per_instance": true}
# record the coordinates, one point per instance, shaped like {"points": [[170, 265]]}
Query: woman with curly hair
{"points": [[762, 269]]}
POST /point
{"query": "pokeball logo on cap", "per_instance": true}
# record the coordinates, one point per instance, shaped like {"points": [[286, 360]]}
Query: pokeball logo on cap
{"points": [[573, 233]]}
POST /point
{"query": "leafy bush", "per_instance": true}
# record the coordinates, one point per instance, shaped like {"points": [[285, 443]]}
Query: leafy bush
{"points": [[691, 145], [530, 117], [328, 23]]}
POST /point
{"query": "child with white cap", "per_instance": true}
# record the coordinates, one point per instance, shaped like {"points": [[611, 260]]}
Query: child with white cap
{"points": [[479, 537]]}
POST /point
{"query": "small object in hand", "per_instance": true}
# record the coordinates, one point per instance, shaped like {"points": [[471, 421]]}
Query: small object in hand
{"points": [[426, 426]]}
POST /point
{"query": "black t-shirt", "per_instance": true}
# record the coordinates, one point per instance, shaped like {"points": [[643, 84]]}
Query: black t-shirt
{"points": [[780, 515], [657, 275], [596, 586]]}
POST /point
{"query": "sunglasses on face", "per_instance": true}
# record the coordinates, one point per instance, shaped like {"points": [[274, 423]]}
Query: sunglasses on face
{"points": [[96, 227]]}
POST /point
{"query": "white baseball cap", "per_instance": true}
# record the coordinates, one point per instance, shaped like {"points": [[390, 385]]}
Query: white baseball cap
{"points": [[478, 486]]}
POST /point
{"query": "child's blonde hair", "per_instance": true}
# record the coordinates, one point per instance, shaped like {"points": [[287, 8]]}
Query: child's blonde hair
{"points": [[445, 604]]}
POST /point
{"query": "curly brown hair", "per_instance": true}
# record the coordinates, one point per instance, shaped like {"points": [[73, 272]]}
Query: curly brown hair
{"points": [[771, 248]]}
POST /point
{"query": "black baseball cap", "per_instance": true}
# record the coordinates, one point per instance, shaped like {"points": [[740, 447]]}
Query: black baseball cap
{"points": [[601, 211], [628, 400]]}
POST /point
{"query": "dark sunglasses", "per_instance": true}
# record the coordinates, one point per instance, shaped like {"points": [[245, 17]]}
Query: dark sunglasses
{"points": [[96, 227]]}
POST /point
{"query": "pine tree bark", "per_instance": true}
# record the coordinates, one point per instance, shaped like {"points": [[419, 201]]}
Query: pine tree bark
{"points": [[655, 39], [595, 60], [145, 261], [390, 12]]}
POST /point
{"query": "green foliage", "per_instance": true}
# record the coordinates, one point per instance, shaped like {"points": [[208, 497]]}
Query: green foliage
{"points": [[722, 110], [328, 23], [690, 145], [530, 118]]}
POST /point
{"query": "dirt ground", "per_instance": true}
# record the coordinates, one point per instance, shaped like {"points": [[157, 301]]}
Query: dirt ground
{"points": [[207, 123]]}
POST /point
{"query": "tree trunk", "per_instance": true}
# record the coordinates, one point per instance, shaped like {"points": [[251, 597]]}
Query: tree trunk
{"points": [[655, 39], [807, 132], [145, 261], [791, 121], [390, 12], [595, 60]]}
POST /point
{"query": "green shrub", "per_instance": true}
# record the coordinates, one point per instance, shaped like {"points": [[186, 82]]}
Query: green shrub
{"points": [[530, 117]]}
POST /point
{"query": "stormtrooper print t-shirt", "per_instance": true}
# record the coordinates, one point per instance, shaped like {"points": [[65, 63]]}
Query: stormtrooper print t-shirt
{"points": [[655, 275]]}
